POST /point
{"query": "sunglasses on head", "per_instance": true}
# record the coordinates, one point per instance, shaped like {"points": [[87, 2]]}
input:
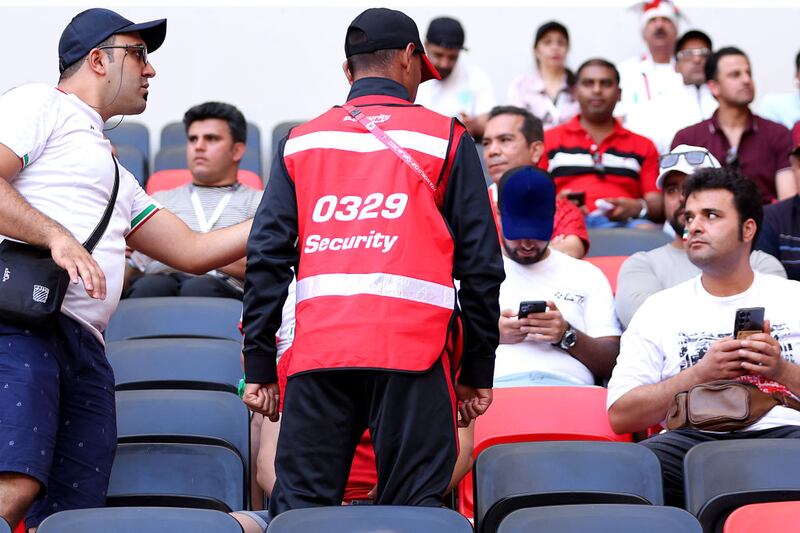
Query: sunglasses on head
{"points": [[694, 158]]}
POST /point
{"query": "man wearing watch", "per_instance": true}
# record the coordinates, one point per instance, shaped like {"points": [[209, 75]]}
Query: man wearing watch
{"points": [[575, 340]]}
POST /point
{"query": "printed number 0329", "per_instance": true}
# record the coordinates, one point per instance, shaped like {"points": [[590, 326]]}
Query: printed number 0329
{"points": [[349, 208]]}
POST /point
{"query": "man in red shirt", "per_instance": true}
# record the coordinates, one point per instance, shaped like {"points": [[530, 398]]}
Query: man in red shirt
{"points": [[615, 168], [513, 137]]}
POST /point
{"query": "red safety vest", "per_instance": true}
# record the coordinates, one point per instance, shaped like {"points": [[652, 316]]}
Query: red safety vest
{"points": [[374, 281]]}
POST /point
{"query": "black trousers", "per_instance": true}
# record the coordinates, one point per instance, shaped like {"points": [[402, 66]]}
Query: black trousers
{"points": [[180, 284], [411, 417], [671, 447]]}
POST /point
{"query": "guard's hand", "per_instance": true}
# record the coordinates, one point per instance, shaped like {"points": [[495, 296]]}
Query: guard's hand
{"points": [[70, 255], [721, 361], [624, 208], [549, 326], [472, 403], [761, 354], [510, 327], [263, 398]]}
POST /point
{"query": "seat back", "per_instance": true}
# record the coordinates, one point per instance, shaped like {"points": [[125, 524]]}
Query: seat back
{"points": [[721, 476], [280, 131], [531, 474], [369, 519], [170, 179], [178, 316], [170, 158], [770, 517], [610, 266], [209, 364], [131, 134], [139, 520], [624, 241], [169, 473], [172, 134], [161, 415], [550, 413], [132, 159], [619, 518]]}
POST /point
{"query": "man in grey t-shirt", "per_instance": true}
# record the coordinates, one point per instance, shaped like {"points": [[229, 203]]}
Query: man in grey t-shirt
{"points": [[646, 273], [216, 134]]}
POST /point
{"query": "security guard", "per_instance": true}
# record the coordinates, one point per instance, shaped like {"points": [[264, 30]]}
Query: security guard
{"points": [[378, 204]]}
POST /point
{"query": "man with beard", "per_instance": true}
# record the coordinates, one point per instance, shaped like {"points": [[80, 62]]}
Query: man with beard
{"points": [[575, 340], [646, 273], [757, 147], [465, 91]]}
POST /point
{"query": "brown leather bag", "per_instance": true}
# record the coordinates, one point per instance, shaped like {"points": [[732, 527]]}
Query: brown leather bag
{"points": [[723, 405]]}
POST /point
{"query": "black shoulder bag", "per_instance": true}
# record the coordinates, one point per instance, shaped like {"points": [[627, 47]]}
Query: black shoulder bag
{"points": [[32, 285]]}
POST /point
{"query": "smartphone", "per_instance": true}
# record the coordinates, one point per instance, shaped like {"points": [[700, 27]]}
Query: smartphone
{"points": [[577, 198], [531, 306], [748, 321]]}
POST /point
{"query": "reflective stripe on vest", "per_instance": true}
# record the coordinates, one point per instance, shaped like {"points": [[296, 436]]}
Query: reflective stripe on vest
{"points": [[366, 142], [376, 284]]}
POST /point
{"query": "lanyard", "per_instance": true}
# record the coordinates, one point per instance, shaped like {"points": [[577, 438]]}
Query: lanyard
{"points": [[383, 137], [207, 224]]}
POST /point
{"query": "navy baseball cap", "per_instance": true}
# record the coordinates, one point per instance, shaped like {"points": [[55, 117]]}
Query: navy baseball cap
{"points": [[526, 197], [93, 26], [446, 32], [388, 29]]}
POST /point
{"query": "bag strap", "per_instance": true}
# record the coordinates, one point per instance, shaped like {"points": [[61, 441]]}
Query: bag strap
{"points": [[786, 401], [383, 137], [94, 238]]}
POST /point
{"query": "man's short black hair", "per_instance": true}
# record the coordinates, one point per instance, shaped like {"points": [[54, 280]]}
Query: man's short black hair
{"points": [[746, 197], [222, 111], [598, 62], [693, 34], [379, 60], [713, 60], [797, 62], [532, 128]]}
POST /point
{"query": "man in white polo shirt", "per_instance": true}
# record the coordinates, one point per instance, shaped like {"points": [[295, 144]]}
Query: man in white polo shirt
{"points": [[57, 402]]}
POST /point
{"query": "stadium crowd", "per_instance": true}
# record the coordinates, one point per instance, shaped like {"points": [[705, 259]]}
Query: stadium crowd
{"points": [[664, 147]]}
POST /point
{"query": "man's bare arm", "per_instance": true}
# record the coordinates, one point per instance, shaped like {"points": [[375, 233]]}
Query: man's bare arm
{"points": [[21, 221], [235, 269], [166, 238]]}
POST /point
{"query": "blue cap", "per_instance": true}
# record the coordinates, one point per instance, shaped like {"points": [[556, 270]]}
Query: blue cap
{"points": [[526, 197], [93, 26]]}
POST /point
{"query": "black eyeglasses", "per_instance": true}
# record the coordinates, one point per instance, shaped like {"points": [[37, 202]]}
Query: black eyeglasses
{"points": [[139, 50], [694, 158]]}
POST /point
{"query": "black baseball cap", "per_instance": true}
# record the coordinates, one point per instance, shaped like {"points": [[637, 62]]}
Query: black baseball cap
{"points": [[93, 26], [552, 25], [693, 34], [446, 32], [526, 198], [388, 29]]}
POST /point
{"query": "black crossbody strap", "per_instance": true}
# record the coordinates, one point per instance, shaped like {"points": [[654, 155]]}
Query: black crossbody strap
{"points": [[94, 238]]}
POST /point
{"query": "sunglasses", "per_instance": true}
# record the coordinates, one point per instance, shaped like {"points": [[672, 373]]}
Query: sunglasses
{"points": [[694, 158], [139, 50], [693, 52]]}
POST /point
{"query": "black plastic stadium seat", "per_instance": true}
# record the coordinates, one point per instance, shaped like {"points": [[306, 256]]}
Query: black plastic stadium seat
{"points": [[619, 518], [178, 316], [370, 519], [140, 520], [721, 476], [532, 474]]}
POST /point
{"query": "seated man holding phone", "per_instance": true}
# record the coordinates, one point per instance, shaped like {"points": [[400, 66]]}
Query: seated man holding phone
{"points": [[557, 322], [686, 335]]}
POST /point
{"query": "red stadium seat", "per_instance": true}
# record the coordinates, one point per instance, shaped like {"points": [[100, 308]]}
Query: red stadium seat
{"points": [[525, 414], [169, 179], [770, 517], [610, 265]]}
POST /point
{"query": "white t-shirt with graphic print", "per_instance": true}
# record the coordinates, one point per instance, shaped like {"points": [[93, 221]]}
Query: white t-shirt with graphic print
{"points": [[68, 175], [673, 329], [582, 294]]}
